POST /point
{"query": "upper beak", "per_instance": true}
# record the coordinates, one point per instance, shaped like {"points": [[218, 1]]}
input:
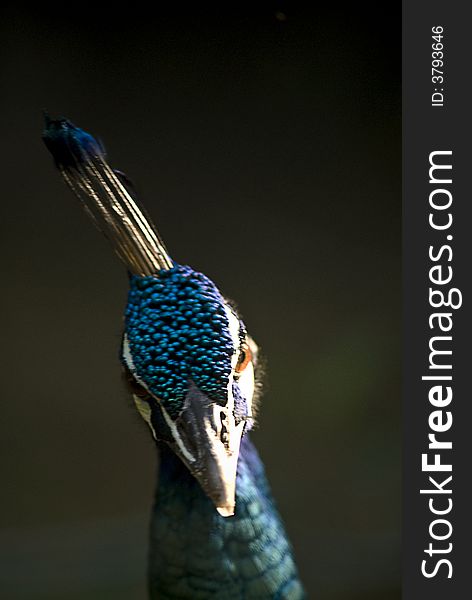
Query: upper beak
{"points": [[207, 440]]}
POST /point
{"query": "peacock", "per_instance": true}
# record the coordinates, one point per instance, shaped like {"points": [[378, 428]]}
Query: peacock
{"points": [[192, 369]]}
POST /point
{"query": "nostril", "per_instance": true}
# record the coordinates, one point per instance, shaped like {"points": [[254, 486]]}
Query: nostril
{"points": [[224, 436], [224, 431]]}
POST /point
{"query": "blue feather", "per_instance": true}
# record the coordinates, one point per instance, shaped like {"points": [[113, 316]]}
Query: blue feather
{"points": [[197, 554]]}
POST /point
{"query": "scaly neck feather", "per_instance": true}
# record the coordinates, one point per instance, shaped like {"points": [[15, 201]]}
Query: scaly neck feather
{"points": [[197, 554]]}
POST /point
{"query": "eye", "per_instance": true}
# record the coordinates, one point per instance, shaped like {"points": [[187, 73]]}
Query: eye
{"points": [[244, 359]]}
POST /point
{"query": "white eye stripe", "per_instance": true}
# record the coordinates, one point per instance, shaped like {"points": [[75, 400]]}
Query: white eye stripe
{"points": [[144, 408]]}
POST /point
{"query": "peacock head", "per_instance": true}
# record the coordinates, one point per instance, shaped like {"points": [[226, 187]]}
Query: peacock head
{"points": [[190, 366], [188, 359]]}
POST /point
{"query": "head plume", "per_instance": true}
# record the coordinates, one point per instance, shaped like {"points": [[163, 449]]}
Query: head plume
{"points": [[186, 353], [107, 197]]}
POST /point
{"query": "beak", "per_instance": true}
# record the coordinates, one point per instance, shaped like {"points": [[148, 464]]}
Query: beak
{"points": [[207, 439]]}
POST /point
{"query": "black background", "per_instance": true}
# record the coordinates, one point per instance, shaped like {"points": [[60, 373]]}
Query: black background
{"points": [[266, 146]]}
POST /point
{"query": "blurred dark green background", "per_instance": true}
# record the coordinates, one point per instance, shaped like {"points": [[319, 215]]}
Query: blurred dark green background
{"points": [[266, 146]]}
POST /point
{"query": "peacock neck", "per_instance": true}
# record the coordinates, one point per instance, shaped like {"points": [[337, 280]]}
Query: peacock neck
{"points": [[195, 553]]}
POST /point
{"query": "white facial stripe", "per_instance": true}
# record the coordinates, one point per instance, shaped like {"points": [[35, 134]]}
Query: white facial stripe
{"points": [[234, 327], [233, 323], [145, 411], [127, 354], [246, 378], [176, 435], [246, 385], [130, 364]]}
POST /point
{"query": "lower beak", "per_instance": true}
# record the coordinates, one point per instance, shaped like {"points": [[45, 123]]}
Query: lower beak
{"points": [[207, 440]]}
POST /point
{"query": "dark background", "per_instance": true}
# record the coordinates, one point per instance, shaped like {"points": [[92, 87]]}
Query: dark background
{"points": [[266, 147]]}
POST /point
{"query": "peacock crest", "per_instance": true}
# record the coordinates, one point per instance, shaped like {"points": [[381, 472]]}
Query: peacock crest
{"points": [[190, 366]]}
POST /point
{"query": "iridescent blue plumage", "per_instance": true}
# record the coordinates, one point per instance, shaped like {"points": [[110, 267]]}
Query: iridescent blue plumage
{"points": [[70, 145], [197, 555], [178, 331], [215, 531]]}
